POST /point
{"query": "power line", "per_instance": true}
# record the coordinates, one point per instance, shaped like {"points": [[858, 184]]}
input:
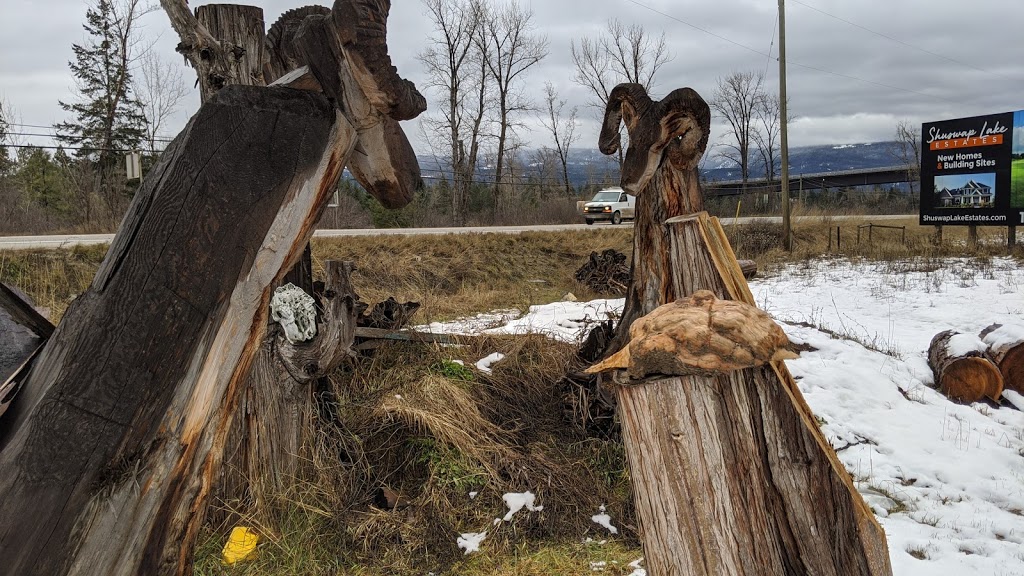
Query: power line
{"points": [[790, 61], [898, 41], [55, 135], [771, 45]]}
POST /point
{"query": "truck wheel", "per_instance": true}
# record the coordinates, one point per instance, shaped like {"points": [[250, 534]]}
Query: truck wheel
{"points": [[590, 222], [617, 218]]}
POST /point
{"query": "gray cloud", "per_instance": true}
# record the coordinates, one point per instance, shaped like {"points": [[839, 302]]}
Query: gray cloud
{"points": [[36, 37]]}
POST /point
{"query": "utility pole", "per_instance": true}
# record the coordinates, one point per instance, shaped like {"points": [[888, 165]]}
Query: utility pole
{"points": [[787, 232]]}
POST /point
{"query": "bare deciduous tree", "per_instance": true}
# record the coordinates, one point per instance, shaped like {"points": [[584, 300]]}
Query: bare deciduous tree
{"points": [[456, 68], [513, 49], [766, 133], [562, 129], [160, 92], [620, 54], [736, 99], [908, 151]]}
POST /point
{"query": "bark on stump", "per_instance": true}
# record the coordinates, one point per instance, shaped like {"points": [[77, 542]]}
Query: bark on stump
{"points": [[117, 437], [1006, 349], [731, 473], [962, 369]]}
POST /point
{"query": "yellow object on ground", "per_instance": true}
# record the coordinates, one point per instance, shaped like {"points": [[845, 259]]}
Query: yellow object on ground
{"points": [[241, 545]]}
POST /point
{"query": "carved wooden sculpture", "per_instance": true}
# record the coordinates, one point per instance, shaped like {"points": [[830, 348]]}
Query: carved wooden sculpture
{"points": [[108, 455], [730, 472], [263, 448]]}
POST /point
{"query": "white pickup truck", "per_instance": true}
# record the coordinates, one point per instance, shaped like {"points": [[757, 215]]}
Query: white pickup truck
{"points": [[611, 204]]}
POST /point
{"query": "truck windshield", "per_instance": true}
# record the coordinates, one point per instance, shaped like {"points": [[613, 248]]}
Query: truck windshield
{"points": [[606, 196]]}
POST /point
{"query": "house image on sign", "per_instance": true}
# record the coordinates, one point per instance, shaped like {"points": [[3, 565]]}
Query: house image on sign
{"points": [[973, 194]]}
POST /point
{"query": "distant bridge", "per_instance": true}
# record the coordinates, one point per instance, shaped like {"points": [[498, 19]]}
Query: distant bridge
{"points": [[817, 181]]}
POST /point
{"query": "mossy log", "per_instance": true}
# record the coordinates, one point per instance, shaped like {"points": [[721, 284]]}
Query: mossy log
{"points": [[962, 369]]}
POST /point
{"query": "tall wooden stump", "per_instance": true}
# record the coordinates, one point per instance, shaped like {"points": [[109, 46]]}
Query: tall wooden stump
{"points": [[731, 474], [114, 443]]}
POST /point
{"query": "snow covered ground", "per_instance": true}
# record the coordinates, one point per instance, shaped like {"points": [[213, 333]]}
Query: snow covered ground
{"points": [[946, 480]]}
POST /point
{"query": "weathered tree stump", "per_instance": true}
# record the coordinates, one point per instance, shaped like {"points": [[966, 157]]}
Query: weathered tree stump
{"points": [[1006, 348], [730, 472], [112, 447], [962, 369]]}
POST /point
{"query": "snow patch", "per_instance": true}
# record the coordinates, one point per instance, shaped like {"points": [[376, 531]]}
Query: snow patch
{"points": [[604, 520], [470, 541], [964, 344], [484, 364], [517, 501]]}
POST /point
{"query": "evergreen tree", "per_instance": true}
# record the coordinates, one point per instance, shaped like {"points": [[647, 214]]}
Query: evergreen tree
{"points": [[42, 181], [108, 117]]}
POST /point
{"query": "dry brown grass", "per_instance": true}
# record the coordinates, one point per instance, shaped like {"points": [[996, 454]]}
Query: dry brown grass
{"points": [[456, 274], [762, 242], [411, 419]]}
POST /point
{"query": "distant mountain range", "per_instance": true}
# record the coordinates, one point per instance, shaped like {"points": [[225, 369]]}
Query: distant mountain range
{"points": [[589, 166]]}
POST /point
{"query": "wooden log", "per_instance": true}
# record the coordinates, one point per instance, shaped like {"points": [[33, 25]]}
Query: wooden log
{"points": [[749, 267], [115, 442], [962, 369], [731, 473], [1006, 348]]}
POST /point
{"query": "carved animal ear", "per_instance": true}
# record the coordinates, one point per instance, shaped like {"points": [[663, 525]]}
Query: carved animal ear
{"points": [[685, 127], [629, 103]]}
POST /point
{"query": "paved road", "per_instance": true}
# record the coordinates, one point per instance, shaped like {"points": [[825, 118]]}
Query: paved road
{"points": [[69, 240]]}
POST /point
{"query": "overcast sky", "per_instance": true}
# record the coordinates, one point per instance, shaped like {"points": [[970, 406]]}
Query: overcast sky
{"points": [[874, 82]]}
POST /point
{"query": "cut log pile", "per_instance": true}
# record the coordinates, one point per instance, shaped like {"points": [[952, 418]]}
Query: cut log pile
{"points": [[963, 370]]}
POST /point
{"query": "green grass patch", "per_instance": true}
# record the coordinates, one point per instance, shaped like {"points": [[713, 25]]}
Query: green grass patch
{"points": [[1017, 184]]}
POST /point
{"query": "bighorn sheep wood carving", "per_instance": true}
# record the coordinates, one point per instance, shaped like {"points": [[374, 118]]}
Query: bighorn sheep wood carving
{"points": [[731, 474], [109, 453]]}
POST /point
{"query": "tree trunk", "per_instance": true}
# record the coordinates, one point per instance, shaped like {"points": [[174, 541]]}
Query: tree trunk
{"points": [[266, 437], [1006, 348], [962, 370], [117, 437], [240, 32], [752, 488]]}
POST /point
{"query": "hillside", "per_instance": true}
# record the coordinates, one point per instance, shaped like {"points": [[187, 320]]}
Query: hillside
{"points": [[589, 166]]}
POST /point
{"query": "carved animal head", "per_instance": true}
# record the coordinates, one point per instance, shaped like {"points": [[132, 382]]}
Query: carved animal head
{"points": [[674, 129], [346, 50]]}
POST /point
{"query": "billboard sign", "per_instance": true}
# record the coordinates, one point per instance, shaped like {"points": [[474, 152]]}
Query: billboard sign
{"points": [[972, 171]]}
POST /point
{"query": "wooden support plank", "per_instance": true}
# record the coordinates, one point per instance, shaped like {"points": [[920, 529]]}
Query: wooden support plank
{"points": [[116, 439]]}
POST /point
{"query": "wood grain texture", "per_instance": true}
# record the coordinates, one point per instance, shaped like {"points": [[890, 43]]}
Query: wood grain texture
{"points": [[731, 474], [347, 54], [963, 376], [22, 312], [108, 463]]}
